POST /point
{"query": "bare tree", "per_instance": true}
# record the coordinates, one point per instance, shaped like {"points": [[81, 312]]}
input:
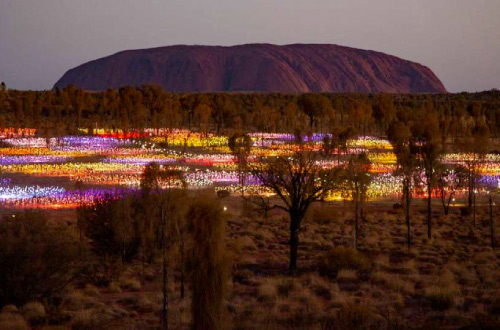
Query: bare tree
{"points": [[477, 146], [153, 178], [427, 145], [358, 179], [400, 136], [298, 181]]}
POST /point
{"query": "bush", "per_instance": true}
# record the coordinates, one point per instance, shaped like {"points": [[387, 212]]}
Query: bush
{"points": [[342, 258], [85, 320], [347, 275], [207, 262], [267, 293], [352, 317], [284, 288], [10, 321], [223, 193], [100, 271], [440, 298], [112, 227], [323, 215], [41, 258], [34, 313]]}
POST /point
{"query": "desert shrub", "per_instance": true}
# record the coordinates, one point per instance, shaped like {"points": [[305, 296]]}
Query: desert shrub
{"points": [[347, 275], [465, 211], [130, 284], [342, 258], [223, 193], [351, 316], [323, 215], [12, 321], [440, 298], [483, 321], [111, 226], [40, 258], [392, 281], [284, 288], [85, 320], [34, 313], [207, 262], [99, 270], [267, 292]]}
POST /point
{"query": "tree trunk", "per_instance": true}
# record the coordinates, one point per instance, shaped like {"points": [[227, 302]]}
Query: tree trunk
{"points": [[429, 208], [164, 311], [407, 211], [294, 241], [492, 234], [470, 188], [183, 270], [356, 222]]}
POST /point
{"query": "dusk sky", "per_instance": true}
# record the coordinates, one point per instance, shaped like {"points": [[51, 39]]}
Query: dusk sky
{"points": [[458, 39]]}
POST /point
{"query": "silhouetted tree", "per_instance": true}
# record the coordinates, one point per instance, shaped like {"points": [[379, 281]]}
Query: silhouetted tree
{"points": [[358, 180], [298, 181], [400, 136]]}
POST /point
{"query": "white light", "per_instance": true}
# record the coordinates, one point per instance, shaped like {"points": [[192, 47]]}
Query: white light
{"points": [[225, 208]]}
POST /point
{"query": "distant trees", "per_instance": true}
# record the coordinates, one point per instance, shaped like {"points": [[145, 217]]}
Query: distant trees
{"points": [[65, 110], [315, 106], [298, 182], [37, 259]]}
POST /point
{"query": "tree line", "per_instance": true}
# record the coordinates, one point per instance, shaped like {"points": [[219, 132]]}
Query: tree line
{"points": [[63, 111]]}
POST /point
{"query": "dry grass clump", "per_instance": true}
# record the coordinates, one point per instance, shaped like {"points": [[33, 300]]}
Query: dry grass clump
{"points": [[246, 242], [353, 317], [347, 275], [323, 215], [34, 313], [342, 258], [91, 291], [85, 320], [440, 298], [393, 282], [443, 292], [114, 287], [267, 293], [12, 321], [130, 284], [10, 309], [285, 287]]}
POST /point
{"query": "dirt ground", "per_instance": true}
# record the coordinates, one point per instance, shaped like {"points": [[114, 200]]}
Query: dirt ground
{"points": [[448, 282]]}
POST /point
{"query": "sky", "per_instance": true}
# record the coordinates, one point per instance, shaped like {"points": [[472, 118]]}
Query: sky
{"points": [[458, 39]]}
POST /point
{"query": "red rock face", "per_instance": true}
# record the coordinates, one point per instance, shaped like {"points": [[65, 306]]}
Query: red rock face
{"points": [[256, 67]]}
